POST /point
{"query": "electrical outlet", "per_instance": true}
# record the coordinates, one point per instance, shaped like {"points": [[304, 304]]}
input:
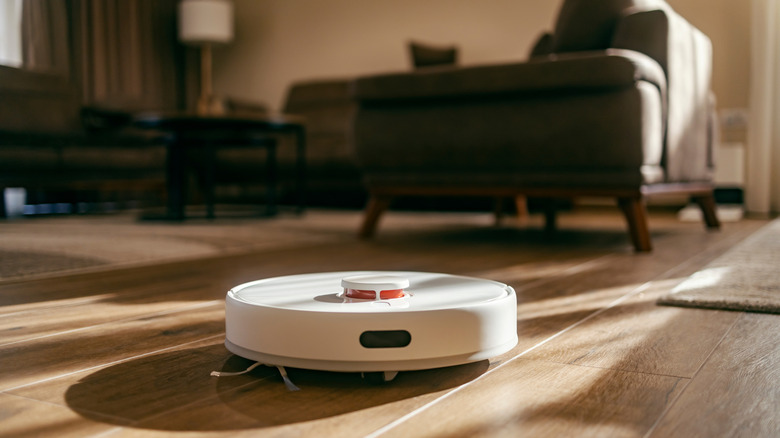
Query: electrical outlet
{"points": [[734, 118]]}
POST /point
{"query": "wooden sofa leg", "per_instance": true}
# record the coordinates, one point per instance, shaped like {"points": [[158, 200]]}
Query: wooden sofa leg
{"points": [[3, 213], [636, 216], [521, 205], [550, 216], [498, 210], [708, 209], [376, 206]]}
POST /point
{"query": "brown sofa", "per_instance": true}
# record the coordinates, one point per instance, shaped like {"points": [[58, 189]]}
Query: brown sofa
{"points": [[333, 174], [615, 102], [97, 159]]}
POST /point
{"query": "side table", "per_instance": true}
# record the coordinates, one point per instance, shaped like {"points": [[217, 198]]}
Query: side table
{"points": [[188, 132]]}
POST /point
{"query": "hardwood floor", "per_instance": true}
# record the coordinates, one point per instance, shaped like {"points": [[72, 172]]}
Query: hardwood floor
{"points": [[128, 352]]}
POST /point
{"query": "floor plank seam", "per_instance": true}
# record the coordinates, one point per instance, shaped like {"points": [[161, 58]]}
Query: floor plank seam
{"points": [[130, 318], [116, 362], [639, 289], [571, 270], [618, 369], [73, 303], [109, 432], [671, 404]]}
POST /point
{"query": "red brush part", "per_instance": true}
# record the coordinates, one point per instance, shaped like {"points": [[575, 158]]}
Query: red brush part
{"points": [[371, 295]]}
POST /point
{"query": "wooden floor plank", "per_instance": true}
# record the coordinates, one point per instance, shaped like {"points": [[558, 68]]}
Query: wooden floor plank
{"points": [[30, 362], [671, 263], [535, 398], [737, 392], [147, 385], [82, 315], [35, 294], [23, 418], [547, 307], [328, 404], [131, 348], [640, 336], [172, 390]]}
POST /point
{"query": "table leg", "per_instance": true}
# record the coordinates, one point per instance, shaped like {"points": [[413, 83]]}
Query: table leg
{"points": [[176, 180], [270, 192], [3, 213], [300, 180], [210, 159]]}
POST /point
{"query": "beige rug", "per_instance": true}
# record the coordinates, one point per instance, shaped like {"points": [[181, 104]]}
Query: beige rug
{"points": [[746, 278]]}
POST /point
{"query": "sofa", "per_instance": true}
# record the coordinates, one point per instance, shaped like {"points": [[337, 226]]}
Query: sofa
{"points": [[333, 174], [94, 158], [615, 102]]}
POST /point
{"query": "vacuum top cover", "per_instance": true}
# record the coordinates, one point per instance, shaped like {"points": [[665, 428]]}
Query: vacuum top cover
{"points": [[365, 292]]}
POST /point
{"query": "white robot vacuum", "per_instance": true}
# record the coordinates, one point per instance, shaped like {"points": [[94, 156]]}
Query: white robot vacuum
{"points": [[377, 323]]}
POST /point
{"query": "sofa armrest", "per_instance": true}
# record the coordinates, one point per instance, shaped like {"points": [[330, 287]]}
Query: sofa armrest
{"points": [[646, 32], [316, 93], [685, 54], [612, 68]]}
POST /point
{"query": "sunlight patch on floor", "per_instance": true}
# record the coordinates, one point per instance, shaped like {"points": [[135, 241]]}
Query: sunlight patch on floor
{"points": [[704, 279], [591, 300], [548, 270]]}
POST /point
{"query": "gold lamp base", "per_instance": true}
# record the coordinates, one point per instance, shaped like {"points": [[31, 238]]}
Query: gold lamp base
{"points": [[208, 104]]}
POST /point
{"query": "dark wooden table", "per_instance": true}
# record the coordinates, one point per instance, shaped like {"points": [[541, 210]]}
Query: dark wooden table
{"points": [[188, 132]]}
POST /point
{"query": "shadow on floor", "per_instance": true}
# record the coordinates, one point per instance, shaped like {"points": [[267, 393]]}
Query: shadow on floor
{"points": [[168, 391]]}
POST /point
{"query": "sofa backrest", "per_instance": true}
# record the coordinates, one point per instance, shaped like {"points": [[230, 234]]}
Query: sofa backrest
{"points": [[685, 54], [589, 24]]}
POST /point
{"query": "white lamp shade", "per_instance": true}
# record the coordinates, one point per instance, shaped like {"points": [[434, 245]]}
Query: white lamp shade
{"points": [[206, 21]]}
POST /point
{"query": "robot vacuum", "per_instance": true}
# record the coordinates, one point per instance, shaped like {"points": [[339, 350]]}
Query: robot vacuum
{"points": [[373, 322]]}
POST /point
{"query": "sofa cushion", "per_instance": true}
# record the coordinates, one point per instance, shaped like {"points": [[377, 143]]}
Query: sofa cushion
{"points": [[576, 71], [589, 24], [425, 55], [615, 136], [319, 92]]}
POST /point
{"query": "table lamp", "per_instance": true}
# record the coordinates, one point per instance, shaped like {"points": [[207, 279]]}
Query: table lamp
{"points": [[205, 23]]}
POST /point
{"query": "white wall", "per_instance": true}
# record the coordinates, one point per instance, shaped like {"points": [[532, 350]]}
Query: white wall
{"points": [[281, 41], [727, 23]]}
